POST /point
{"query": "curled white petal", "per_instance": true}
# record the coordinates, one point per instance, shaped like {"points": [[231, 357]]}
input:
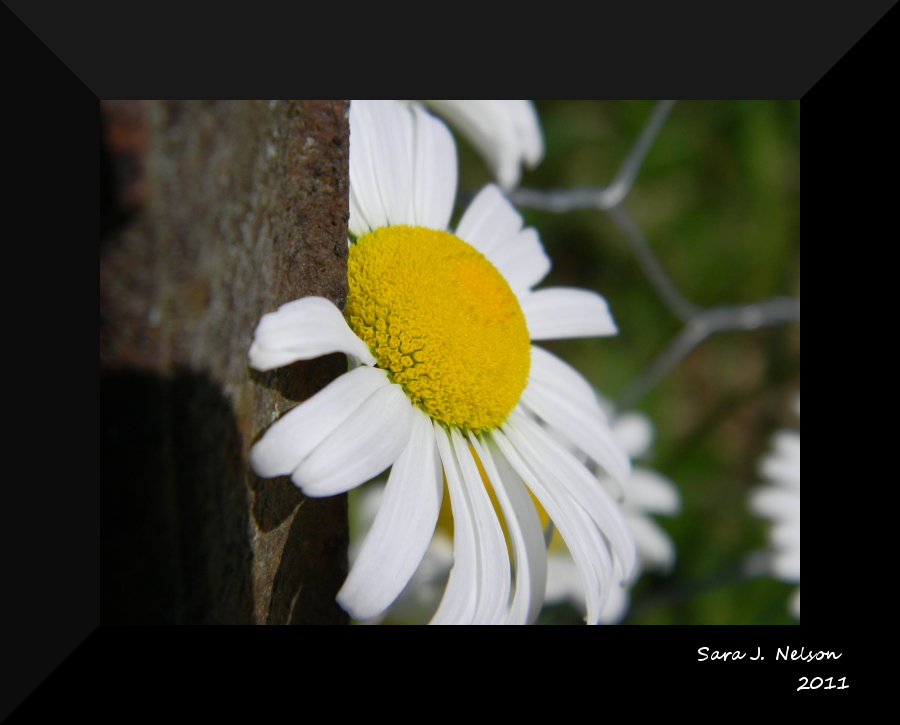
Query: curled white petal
{"points": [[506, 132], [297, 433], [493, 556], [367, 443], [301, 330], [563, 580], [616, 605], [461, 594], [555, 464], [580, 534], [562, 312], [402, 529], [525, 532]]}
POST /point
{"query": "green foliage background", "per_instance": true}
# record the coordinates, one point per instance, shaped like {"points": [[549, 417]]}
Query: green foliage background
{"points": [[718, 199]]}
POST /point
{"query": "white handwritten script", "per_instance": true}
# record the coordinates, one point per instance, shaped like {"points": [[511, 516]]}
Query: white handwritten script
{"points": [[780, 654], [788, 653]]}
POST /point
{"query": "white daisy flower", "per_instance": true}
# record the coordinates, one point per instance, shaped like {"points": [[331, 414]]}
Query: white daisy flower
{"points": [[506, 133], [649, 492], [446, 385], [779, 501]]}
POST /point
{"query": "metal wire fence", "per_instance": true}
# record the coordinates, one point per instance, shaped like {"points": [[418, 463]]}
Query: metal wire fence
{"points": [[698, 322]]}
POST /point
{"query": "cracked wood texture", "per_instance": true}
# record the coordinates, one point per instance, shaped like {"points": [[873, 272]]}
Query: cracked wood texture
{"points": [[216, 213]]}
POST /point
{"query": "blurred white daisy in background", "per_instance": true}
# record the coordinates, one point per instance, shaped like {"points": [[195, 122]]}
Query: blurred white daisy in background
{"points": [[506, 133], [445, 385], [778, 500], [649, 492]]}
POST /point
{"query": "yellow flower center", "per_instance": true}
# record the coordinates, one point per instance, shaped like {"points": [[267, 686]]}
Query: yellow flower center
{"points": [[442, 322]]}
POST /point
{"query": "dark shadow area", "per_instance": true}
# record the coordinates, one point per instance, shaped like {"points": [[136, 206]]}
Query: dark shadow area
{"points": [[307, 568], [174, 526], [302, 379], [313, 565]]}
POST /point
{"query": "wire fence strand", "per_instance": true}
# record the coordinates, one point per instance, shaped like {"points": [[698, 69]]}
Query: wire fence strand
{"points": [[698, 322]]}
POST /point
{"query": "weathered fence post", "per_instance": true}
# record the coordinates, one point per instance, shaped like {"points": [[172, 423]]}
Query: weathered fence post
{"points": [[239, 208]]}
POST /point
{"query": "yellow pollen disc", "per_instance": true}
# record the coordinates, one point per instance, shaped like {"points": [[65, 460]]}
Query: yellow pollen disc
{"points": [[442, 321]]}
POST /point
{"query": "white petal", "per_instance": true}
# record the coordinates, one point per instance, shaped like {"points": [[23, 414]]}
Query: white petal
{"points": [[380, 163], [553, 462], [776, 504], [367, 211], [521, 260], [439, 555], [493, 226], [782, 465], [655, 547], [296, 434], [506, 132], [461, 594], [786, 566], [634, 432], [651, 491], [402, 529], [526, 120], [359, 224], [785, 535], [419, 600], [616, 606], [580, 534], [787, 444], [493, 556], [489, 221], [550, 371], [794, 604], [434, 171], [562, 312], [582, 426], [393, 158], [563, 580], [525, 531], [302, 330], [367, 443]]}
